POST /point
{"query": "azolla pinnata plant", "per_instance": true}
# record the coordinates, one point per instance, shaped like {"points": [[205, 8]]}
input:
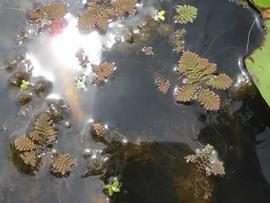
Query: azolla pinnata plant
{"points": [[98, 13], [113, 187], [199, 76], [205, 164], [185, 14]]}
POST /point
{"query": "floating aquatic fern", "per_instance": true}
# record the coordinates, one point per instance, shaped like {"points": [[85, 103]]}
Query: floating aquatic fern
{"points": [[62, 164], [48, 14], [44, 130], [205, 163], [30, 158], [185, 14], [200, 75], [124, 7], [177, 40], [23, 144], [98, 14], [103, 71], [95, 16]]}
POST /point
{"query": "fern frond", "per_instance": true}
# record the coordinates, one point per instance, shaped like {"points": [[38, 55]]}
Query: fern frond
{"points": [[62, 164], [220, 82], [177, 40], [24, 144], [95, 16], [51, 11], [124, 7], [185, 14], [30, 158], [208, 99], [103, 71], [185, 93], [188, 62], [44, 129]]}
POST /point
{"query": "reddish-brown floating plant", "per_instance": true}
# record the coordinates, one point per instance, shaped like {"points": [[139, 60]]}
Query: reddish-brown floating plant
{"points": [[103, 71], [62, 164], [98, 13], [200, 75], [177, 40], [48, 14]]}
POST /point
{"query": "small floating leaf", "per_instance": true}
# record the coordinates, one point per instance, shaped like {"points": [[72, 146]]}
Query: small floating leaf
{"points": [[44, 129], [209, 100], [29, 158], [25, 85], [159, 16], [81, 82], [62, 164], [185, 14], [185, 93], [113, 187], [220, 82], [24, 144]]}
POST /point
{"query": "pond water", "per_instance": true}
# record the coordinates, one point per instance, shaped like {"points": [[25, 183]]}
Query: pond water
{"points": [[131, 105]]}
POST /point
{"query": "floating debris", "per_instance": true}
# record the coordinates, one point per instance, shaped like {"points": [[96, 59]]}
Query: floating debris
{"points": [[185, 14], [200, 73], [163, 85], [81, 82], [177, 40], [148, 51], [103, 71], [25, 85], [62, 164], [159, 16]]}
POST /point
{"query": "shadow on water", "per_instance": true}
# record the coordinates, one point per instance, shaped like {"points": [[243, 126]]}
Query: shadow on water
{"points": [[131, 104]]}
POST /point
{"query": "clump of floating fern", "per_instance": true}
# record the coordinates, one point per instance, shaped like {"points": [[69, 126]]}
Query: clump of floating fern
{"points": [[95, 16], [98, 14], [62, 164], [103, 71], [185, 14], [200, 75], [32, 145], [205, 163], [177, 40], [48, 14]]}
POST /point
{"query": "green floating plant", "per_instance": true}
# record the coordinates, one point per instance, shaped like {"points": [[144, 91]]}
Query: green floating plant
{"points": [[113, 187], [25, 85], [159, 16], [185, 14], [200, 75], [81, 82]]}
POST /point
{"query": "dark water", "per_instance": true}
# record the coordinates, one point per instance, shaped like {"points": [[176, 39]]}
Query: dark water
{"points": [[131, 104]]}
